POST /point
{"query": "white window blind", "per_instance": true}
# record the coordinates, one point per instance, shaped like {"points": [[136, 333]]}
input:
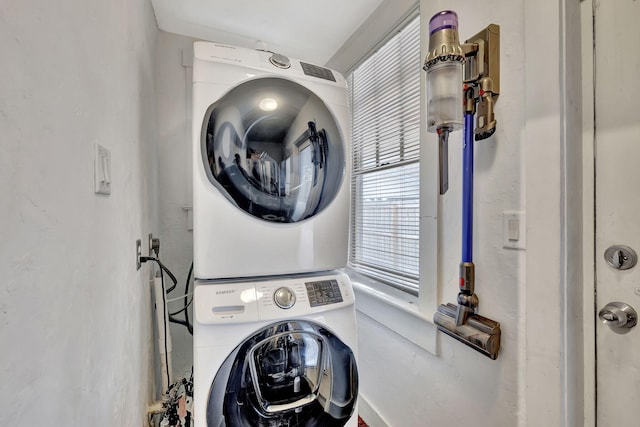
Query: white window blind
{"points": [[384, 93]]}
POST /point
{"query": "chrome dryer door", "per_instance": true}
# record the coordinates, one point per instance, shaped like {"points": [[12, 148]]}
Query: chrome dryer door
{"points": [[273, 148]]}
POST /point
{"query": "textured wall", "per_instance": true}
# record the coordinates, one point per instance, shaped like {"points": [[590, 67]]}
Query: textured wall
{"points": [[173, 74], [75, 315]]}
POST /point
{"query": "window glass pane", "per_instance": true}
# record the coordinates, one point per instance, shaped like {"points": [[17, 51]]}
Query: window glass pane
{"points": [[385, 120]]}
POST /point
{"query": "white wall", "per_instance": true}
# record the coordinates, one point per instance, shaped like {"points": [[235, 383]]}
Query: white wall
{"points": [[173, 79], [75, 315], [553, 310]]}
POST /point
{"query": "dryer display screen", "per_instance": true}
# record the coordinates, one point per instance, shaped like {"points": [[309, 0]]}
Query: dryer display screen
{"points": [[323, 292], [315, 71]]}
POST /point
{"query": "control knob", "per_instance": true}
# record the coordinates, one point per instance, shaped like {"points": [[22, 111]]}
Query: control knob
{"points": [[280, 61], [284, 297]]}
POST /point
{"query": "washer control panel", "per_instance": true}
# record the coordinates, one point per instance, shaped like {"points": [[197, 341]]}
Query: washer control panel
{"points": [[323, 292], [237, 302]]}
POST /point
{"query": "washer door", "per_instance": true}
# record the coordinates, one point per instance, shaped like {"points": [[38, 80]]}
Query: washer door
{"points": [[273, 148], [293, 374]]}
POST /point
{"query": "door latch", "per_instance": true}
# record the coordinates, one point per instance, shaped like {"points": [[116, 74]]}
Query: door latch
{"points": [[620, 257]]}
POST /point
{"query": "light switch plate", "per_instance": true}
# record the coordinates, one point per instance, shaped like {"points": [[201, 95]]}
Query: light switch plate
{"points": [[514, 230], [102, 170]]}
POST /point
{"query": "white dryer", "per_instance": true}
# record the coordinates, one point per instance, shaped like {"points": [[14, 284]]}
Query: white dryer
{"points": [[275, 353], [270, 164]]}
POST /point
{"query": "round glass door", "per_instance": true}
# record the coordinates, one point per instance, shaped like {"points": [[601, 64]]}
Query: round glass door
{"points": [[273, 148], [293, 374]]}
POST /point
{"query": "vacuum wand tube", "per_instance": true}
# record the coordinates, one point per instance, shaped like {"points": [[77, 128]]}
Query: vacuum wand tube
{"points": [[443, 65], [467, 299]]}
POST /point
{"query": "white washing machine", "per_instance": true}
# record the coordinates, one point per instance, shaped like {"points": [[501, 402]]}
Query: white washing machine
{"points": [[275, 353], [270, 164]]}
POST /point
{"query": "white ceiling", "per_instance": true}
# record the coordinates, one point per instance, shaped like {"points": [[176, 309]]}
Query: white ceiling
{"points": [[303, 29]]}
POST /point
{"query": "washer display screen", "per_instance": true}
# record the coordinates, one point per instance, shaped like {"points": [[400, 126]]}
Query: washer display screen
{"points": [[273, 148], [323, 292]]}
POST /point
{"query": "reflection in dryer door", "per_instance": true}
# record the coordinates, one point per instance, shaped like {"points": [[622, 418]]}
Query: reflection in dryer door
{"points": [[289, 374], [284, 164]]}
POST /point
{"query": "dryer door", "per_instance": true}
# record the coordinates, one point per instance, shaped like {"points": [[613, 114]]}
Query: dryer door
{"points": [[293, 374], [274, 149]]}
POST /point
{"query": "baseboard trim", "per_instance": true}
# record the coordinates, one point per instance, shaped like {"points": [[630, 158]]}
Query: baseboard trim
{"points": [[369, 414]]}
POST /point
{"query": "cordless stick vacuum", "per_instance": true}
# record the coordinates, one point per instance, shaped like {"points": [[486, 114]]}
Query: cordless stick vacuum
{"points": [[446, 63]]}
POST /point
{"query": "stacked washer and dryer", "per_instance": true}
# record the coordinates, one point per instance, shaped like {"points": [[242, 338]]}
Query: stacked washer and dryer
{"points": [[274, 331]]}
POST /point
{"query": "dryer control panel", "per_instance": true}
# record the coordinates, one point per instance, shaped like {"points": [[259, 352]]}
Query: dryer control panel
{"points": [[208, 52], [237, 302]]}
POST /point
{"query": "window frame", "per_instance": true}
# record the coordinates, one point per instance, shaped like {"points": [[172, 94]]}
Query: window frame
{"points": [[385, 118], [407, 315]]}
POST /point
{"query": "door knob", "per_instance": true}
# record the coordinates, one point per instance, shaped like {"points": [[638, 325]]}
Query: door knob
{"points": [[618, 315]]}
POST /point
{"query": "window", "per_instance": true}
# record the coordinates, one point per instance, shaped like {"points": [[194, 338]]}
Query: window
{"points": [[384, 93]]}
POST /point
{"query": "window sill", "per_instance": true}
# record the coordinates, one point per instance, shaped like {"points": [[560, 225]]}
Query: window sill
{"points": [[395, 310]]}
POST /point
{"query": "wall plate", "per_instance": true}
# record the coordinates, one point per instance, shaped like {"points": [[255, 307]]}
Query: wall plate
{"points": [[102, 170], [514, 230], [138, 253]]}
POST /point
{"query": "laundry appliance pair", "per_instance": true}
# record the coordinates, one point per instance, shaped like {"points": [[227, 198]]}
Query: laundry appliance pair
{"points": [[274, 330]]}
